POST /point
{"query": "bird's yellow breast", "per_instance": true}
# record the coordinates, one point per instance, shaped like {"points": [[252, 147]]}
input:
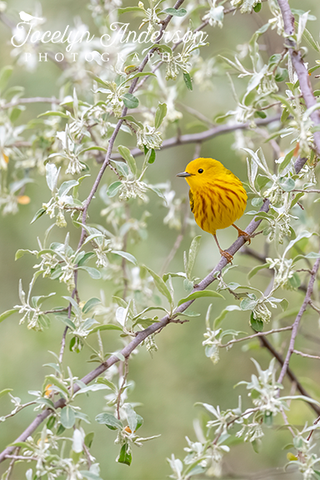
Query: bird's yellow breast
{"points": [[219, 203]]}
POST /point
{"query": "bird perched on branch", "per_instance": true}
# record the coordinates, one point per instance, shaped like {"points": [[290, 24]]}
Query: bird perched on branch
{"points": [[217, 197]]}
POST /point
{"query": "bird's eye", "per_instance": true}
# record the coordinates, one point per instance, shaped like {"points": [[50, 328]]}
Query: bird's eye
{"points": [[200, 170]]}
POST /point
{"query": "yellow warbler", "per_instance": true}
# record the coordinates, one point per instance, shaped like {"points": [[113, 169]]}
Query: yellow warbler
{"points": [[217, 197]]}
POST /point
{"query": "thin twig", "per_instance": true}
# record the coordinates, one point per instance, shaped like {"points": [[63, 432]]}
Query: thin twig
{"points": [[285, 418], [308, 355], [197, 114], [124, 379], [306, 191], [11, 465], [259, 334], [22, 101], [315, 423], [296, 323], [315, 308], [15, 411], [21, 457]]}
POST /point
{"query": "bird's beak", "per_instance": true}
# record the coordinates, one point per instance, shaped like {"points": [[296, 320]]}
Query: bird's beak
{"points": [[184, 174]]}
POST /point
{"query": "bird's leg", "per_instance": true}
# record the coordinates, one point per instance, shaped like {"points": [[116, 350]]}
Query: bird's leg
{"points": [[223, 253], [247, 237]]}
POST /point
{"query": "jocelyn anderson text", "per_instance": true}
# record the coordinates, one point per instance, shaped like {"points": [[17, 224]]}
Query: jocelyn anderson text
{"points": [[119, 34]]}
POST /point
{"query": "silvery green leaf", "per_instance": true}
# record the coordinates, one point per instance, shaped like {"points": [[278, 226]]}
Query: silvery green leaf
{"points": [[5, 391], [130, 100], [199, 294], [89, 475], [161, 286], [52, 174], [77, 441], [252, 173], [287, 184], [65, 187], [67, 417], [121, 167], [157, 191], [181, 12], [131, 417], [22, 294], [301, 235], [256, 269], [93, 272], [193, 251], [38, 214], [90, 304], [125, 153], [249, 302], [29, 474], [75, 103], [5, 74], [301, 26], [230, 308], [7, 314], [161, 112], [91, 388], [125, 255], [121, 315]]}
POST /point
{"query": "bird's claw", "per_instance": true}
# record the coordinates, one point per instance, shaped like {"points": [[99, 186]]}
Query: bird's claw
{"points": [[226, 255], [247, 237]]}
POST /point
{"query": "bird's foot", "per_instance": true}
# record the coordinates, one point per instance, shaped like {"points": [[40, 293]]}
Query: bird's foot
{"points": [[247, 237], [226, 255], [241, 233]]}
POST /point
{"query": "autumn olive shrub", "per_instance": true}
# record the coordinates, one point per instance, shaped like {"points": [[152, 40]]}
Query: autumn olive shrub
{"points": [[133, 88]]}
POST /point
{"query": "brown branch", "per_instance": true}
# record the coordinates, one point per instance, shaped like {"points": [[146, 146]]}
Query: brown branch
{"points": [[296, 323], [299, 66], [141, 336], [315, 423], [204, 136]]}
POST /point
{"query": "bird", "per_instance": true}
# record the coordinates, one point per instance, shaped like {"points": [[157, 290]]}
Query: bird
{"points": [[217, 197], [26, 18]]}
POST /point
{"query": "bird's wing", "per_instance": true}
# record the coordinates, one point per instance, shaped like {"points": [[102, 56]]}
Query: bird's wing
{"points": [[191, 201]]}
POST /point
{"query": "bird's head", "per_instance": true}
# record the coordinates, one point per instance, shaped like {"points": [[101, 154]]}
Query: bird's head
{"points": [[201, 171]]}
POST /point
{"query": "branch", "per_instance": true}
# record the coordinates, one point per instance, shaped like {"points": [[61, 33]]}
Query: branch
{"points": [[296, 323], [259, 334], [141, 336], [265, 342], [299, 66], [308, 355], [22, 101], [204, 136]]}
